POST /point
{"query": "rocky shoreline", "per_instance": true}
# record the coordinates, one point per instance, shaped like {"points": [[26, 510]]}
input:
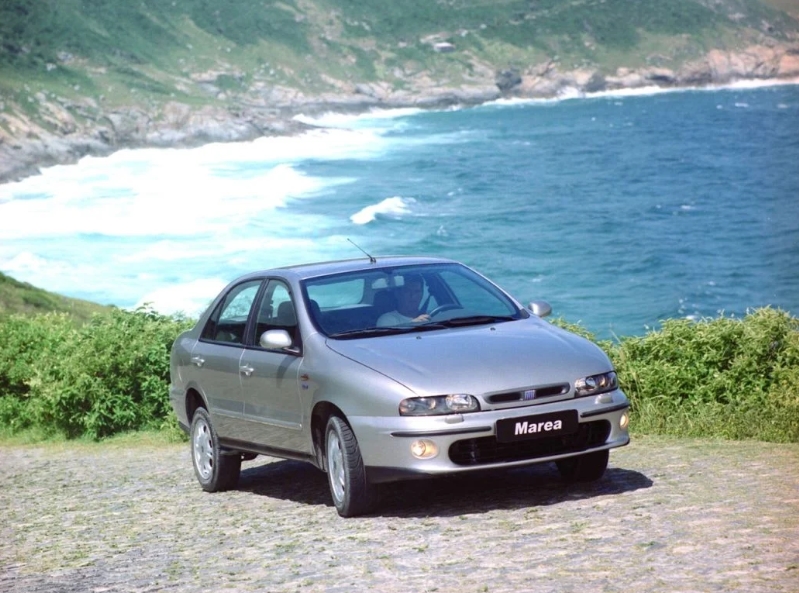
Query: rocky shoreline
{"points": [[84, 128]]}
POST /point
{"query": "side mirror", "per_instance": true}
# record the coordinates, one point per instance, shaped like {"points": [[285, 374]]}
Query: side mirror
{"points": [[275, 339], [540, 308]]}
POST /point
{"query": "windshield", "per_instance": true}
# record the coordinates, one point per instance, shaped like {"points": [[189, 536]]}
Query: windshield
{"points": [[402, 299]]}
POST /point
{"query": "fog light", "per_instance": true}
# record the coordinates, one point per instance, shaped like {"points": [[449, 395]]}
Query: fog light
{"points": [[624, 420], [424, 449]]}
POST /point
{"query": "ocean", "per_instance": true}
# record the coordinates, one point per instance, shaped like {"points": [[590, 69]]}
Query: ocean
{"points": [[620, 209]]}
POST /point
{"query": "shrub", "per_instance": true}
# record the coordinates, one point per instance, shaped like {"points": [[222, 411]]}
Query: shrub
{"points": [[110, 375], [733, 378], [26, 344], [724, 377]]}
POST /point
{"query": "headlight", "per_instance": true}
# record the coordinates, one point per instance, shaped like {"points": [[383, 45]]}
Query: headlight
{"points": [[456, 403], [595, 384]]}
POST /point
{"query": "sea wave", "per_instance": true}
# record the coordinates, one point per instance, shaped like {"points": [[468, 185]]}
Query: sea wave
{"points": [[332, 119], [574, 93], [169, 250], [163, 197], [189, 298], [391, 208]]}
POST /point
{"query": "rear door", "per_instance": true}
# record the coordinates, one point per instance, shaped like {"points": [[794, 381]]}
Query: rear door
{"points": [[215, 358], [273, 410]]}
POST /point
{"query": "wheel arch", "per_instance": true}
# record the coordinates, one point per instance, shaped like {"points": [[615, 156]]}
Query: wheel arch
{"points": [[194, 401], [321, 414]]}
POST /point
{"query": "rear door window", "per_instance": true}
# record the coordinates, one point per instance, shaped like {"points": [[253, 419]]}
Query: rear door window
{"points": [[229, 320]]}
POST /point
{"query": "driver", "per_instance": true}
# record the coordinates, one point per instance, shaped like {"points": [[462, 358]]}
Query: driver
{"points": [[409, 295]]}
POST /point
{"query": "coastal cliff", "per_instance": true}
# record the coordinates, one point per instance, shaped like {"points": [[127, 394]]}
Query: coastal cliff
{"points": [[155, 78]]}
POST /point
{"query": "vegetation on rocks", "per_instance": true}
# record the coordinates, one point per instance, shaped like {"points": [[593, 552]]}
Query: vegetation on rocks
{"points": [[155, 48], [21, 297], [80, 77]]}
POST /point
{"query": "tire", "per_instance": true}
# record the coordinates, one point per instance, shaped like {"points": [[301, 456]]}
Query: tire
{"points": [[584, 468], [352, 493], [215, 470]]}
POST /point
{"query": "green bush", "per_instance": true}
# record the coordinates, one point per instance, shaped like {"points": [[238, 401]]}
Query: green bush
{"points": [[724, 377], [25, 344], [107, 376], [731, 378]]}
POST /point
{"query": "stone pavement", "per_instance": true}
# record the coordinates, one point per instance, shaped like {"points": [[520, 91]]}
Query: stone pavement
{"points": [[670, 515]]}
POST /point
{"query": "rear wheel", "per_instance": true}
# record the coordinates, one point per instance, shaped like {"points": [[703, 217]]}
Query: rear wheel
{"points": [[215, 469], [352, 493], [584, 468]]}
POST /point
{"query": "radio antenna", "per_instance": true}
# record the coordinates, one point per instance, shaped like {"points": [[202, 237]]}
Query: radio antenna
{"points": [[372, 260]]}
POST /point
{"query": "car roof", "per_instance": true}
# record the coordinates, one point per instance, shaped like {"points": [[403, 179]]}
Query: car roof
{"points": [[312, 270]]}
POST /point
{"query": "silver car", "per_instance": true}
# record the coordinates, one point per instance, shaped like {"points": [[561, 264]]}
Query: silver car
{"points": [[377, 370]]}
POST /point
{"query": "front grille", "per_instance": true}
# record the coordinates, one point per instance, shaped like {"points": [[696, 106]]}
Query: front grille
{"points": [[485, 450], [529, 395]]}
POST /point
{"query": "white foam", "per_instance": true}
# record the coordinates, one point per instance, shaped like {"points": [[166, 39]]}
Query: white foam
{"points": [[516, 101], [168, 197], [221, 247], [67, 276], [112, 229], [189, 298], [332, 119], [571, 93], [758, 84], [395, 207], [26, 263]]}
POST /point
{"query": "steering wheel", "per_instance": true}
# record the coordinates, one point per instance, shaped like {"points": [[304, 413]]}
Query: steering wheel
{"points": [[442, 308]]}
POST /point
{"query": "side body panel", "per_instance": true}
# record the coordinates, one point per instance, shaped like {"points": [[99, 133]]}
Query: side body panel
{"points": [[274, 413]]}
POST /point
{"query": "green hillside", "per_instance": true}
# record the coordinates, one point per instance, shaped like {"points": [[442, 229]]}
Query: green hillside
{"points": [[90, 55], [23, 298]]}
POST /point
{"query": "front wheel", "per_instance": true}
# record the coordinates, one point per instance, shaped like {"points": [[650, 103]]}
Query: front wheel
{"points": [[215, 469], [584, 468], [352, 493]]}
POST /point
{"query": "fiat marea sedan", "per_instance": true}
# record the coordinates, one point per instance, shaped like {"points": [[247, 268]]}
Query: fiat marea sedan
{"points": [[378, 370]]}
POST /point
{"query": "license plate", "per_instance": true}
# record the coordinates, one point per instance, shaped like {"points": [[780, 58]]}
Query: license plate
{"points": [[535, 427]]}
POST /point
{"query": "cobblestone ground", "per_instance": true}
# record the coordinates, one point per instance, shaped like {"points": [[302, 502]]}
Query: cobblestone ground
{"points": [[669, 515]]}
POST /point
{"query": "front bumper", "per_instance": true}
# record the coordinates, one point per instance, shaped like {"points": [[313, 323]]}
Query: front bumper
{"points": [[468, 442]]}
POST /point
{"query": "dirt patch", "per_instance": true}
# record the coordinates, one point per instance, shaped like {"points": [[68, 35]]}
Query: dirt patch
{"points": [[669, 515]]}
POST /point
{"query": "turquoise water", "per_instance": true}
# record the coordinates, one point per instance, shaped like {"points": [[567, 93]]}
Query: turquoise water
{"points": [[620, 210]]}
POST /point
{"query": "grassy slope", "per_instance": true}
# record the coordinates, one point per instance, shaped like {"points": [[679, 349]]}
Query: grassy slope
{"points": [[23, 298], [85, 54]]}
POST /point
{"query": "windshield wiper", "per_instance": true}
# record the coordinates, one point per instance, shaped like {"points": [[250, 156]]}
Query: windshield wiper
{"points": [[370, 331], [474, 320], [388, 330]]}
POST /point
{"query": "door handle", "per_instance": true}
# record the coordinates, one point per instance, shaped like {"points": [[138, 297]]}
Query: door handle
{"points": [[197, 361], [246, 370]]}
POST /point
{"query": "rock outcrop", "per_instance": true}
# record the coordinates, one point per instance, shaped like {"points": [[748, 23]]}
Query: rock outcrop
{"points": [[716, 68], [69, 130]]}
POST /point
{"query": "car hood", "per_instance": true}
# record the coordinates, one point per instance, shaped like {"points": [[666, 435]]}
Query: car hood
{"points": [[479, 360]]}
